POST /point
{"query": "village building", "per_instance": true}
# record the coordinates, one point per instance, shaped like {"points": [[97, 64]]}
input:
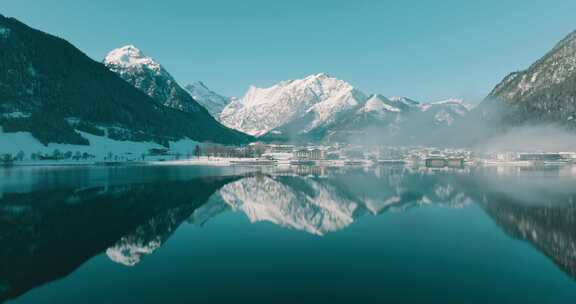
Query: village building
{"points": [[310, 154]]}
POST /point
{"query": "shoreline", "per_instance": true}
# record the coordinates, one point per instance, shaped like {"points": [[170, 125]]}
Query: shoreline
{"points": [[259, 162]]}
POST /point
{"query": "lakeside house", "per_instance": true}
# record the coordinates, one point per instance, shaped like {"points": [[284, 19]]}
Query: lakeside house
{"points": [[310, 154], [547, 156]]}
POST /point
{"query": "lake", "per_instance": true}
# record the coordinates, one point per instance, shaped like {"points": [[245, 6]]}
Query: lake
{"points": [[186, 234]]}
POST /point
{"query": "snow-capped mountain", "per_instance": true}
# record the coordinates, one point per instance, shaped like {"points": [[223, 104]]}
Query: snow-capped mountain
{"points": [[380, 105], [378, 114], [147, 75], [403, 103], [321, 107], [543, 93], [318, 99], [52, 90], [150, 77], [212, 101], [445, 112]]}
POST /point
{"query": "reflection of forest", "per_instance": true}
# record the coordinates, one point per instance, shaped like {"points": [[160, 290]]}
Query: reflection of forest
{"points": [[532, 204], [46, 233]]}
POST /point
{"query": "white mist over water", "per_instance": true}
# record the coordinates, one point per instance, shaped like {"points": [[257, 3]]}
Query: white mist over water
{"points": [[530, 139]]}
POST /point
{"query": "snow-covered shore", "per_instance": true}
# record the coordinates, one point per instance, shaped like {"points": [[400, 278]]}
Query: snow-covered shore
{"points": [[100, 147]]}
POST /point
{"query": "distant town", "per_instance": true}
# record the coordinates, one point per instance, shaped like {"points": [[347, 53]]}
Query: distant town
{"points": [[264, 154]]}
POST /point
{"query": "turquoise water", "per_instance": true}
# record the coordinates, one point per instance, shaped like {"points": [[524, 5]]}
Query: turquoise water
{"points": [[307, 235]]}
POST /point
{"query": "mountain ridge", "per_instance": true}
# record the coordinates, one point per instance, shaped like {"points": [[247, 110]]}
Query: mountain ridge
{"points": [[543, 93], [318, 106], [212, 101], [50, 88]]}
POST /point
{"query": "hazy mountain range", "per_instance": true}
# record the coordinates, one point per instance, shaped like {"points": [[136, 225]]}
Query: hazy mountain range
{"points": [[52, 90], [322, 107]]}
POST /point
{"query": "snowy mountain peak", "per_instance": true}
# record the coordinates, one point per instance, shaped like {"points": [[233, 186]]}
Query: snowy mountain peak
{"points": [[405, 101], [445, 112], [212, 101], [264, 109], [319, 76], [150, 77], [451, 102], [379, 104], [130, 56]]}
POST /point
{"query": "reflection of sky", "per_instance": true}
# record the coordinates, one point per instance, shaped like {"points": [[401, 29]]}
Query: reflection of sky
{"points": [[427, 249]]}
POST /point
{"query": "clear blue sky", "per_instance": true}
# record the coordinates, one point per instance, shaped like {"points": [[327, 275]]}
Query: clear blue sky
{"points": [[424, 49]]}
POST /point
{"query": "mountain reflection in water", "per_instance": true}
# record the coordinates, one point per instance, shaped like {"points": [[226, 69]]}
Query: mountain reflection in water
{"points": [[51, 222]]}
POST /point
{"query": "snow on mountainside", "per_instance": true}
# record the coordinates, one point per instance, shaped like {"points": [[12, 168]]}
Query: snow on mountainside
{"points": [[403, 102], [321, 107], [543, 93], [445, 112], [150, 77], [379, 105], [554, 68], [331, 109], [52, 91], [377, 112], [212, 101], [264, 109]]}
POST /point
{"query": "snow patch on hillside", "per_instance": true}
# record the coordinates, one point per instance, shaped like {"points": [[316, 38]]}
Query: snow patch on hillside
{"points": [[379, 104], [99, 146]]}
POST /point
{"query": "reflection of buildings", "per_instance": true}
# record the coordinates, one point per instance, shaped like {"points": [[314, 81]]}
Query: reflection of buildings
{"points": [[279, 148], [557, 156], [328, 202], [309, 170], [45, 235], [535, 206]]}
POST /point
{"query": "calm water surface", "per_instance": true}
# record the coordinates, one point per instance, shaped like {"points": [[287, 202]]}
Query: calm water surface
{"points": [[306, 235]]}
